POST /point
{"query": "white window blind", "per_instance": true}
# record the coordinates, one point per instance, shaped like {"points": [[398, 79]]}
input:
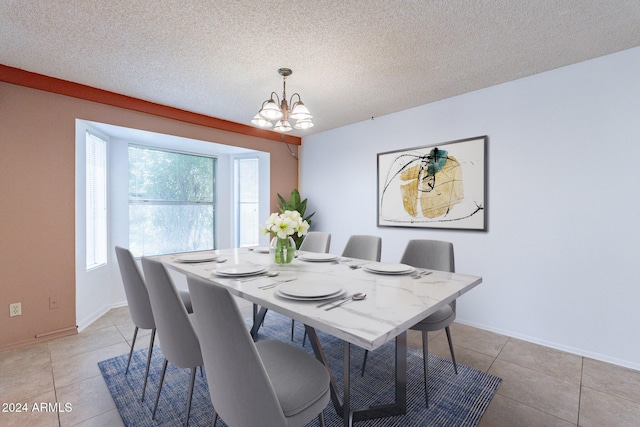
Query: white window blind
{"points": [[247, 196], [96, 200]]}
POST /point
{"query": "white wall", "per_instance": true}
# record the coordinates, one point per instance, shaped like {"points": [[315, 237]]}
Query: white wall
{"points": [[560, 258]]}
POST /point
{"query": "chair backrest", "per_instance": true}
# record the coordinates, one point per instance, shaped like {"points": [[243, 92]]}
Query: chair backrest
{"points": [[363, 247], [178, 338], [240, 389], [316, 241], [135, 290], [431, 254]]}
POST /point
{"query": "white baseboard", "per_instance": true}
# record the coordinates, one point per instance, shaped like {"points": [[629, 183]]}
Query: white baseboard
{"points": [[87, 321], [573, 350]]}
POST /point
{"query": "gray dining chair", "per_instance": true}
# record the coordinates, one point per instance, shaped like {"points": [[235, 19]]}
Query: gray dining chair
{"points": [[316, 241], [268, 383], [178, 339], [432, 255], [139, 305], [363, 247]]}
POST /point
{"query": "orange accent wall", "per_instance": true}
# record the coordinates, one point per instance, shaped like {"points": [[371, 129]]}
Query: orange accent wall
{"points": [[37, 195]]}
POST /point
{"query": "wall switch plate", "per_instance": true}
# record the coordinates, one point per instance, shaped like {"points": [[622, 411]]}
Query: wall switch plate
{"points": [[15, 309], [54, 302]]}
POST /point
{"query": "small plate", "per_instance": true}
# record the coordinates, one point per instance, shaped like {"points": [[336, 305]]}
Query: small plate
{"points": [[320, 298], [196, 258], [244, 269], [388, 268], [317, 257], [309, 289]]}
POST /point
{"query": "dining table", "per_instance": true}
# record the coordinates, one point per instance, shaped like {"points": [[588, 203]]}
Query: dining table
{"points": [[317, 290]]}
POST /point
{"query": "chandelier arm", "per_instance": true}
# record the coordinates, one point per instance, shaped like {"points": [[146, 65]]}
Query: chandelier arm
{"points": [[271, 97], [293, 104]]}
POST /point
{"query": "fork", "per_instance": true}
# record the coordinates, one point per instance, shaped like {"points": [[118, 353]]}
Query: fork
{"points": [[420, 275], [273, 285]]}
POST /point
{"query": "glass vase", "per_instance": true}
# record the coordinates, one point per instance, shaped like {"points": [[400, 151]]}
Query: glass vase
{"points": [[282, 250]]}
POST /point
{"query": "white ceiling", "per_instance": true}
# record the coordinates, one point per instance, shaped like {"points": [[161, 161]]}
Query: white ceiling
{"points": [[351, 59]]}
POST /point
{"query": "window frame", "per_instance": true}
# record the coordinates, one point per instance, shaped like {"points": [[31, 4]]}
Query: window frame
{"points": [[236, 196], [147, 202]]}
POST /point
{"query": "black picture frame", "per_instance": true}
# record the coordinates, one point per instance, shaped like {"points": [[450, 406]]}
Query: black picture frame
{"points": [[434, 186]]}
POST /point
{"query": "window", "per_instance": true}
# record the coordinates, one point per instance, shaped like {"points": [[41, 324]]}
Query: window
{"points": [[171, 201], [246, 185], [96, 200]]}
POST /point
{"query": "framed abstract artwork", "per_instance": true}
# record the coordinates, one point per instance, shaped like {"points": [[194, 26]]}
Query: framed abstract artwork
{"points": [[435, 186]]}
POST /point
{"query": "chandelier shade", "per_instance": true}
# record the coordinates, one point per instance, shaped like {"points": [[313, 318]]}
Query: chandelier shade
{"points": [[259, 121], [283, 126], [270, 110], [303, 124], [280, 112], [300, 112]]}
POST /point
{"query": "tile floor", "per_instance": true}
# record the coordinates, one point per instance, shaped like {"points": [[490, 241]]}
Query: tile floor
{"points": [[540, 387]]}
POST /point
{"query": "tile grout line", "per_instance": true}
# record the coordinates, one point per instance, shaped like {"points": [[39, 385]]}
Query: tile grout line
{"points": [[580, 389], [53, 380], [497, 355], [533, 407]]}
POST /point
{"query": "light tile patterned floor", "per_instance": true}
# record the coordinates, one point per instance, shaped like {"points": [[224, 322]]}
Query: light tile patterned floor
{"points": [[540, 387]]}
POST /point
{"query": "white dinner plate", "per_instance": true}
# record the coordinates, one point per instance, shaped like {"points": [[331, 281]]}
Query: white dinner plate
{"points": [[388, 268], [242, 269], [261, 249], [320, 298], [309, 289], [317, 257], [196, 257]]}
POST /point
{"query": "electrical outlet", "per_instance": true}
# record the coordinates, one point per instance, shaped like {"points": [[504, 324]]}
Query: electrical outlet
{"points": [[15, 309], [54, 302]]}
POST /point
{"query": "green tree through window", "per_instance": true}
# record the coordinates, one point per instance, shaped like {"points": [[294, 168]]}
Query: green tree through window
{"points": [[171, 201]]}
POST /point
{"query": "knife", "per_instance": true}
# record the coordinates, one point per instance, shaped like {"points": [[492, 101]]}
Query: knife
{"points": [[338, 305], [273, 285], [333, 300]]}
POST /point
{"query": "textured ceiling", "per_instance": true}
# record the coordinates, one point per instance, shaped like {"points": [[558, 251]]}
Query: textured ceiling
{"points": [[351, 59]]}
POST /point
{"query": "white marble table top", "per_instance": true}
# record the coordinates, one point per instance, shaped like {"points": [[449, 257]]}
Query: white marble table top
{"points": [[393, 304]]}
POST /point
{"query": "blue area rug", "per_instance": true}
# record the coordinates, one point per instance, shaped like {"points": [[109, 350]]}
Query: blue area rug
{"points": [[455, 400]]}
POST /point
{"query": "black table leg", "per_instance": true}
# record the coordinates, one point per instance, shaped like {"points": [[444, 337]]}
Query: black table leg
{"points": [[343, 405], [258, 318]]}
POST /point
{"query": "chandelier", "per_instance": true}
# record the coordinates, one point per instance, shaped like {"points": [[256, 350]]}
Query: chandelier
{"points": [[281, 112]]}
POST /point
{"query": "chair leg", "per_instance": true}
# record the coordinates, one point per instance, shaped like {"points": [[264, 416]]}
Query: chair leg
{"points": [[453, 357], [321, 419], [425, 356], [215, 418], [164, 370], [149, 353], [293, 324], [304, 337], [364, 362], [191, 384], [133, 343]]}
